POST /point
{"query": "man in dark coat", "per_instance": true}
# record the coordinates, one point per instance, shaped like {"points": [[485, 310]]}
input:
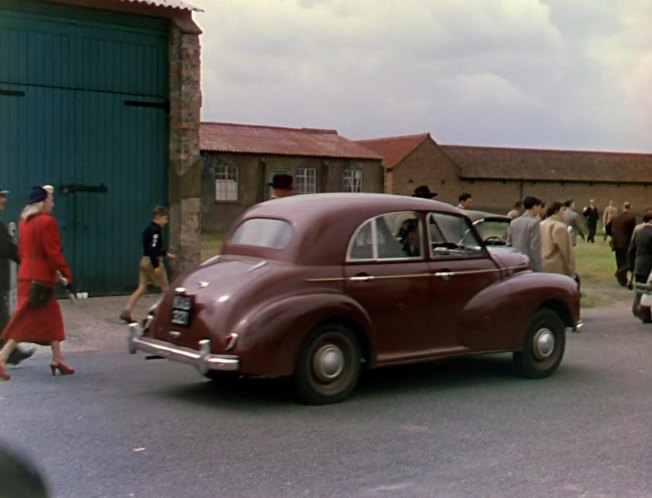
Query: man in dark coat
{"points": [[8, 252], [621, 229], [639, 258], [281, 186], [592, 216]]}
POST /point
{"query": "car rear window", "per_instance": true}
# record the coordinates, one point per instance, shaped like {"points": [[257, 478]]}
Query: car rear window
{"points": [[263, 232]]}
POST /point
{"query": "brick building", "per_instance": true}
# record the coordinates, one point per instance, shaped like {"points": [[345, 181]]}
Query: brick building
{"points": [[413, 160], [240, 160], [497, 177]]}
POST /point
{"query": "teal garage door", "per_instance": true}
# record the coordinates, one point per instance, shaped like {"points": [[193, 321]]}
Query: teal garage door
{"points": [[83, 107]]}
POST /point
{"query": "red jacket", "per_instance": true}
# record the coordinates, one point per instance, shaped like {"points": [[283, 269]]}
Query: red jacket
{"points": [[39, 248]]}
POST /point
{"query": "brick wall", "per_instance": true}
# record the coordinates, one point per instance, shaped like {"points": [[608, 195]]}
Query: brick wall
{"points": [[429, 165], [500, 196]]}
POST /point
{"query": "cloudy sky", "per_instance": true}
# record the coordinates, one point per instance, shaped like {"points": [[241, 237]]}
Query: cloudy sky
{"points": [[564, 74]]}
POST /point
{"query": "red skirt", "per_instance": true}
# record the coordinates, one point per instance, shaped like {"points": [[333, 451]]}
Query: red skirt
{"points": [[40, 325]]}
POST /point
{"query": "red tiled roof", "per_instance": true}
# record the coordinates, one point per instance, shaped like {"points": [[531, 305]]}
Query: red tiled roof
{"points": [[250, 139], [494, 163], [394, 149]]}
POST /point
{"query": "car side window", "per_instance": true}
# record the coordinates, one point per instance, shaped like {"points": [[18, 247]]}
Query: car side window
{"points": [[362, 246], [397, 235], [450, 235]]}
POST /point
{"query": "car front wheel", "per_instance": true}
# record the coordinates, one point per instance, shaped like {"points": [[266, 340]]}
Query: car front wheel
{"points": [[543, 349], [328, 365]]}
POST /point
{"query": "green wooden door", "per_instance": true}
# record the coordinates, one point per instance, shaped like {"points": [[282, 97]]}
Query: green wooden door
{"points": [[83, 106]]}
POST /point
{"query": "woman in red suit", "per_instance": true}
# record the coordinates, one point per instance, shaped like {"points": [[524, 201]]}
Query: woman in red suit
{"points": [[41, 258]]}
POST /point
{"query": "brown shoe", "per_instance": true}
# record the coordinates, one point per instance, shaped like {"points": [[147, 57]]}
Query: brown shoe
{"points": [[126, 316]]}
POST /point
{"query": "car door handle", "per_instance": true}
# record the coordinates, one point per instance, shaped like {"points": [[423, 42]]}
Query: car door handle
{"points": [[444, 274], [362, 277]]}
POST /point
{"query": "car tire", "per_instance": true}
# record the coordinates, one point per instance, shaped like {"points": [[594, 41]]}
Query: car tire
{"points": [[544, 344], [328, 365]]}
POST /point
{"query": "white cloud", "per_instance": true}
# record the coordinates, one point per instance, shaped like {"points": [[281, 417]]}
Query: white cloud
{"points": [[526, 73]]}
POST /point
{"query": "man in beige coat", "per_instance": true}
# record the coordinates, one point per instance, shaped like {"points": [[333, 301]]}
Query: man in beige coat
{"points": [[556, 245]]}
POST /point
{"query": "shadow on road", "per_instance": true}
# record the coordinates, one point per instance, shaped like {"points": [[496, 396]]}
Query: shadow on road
{"points": [[388, 383]]}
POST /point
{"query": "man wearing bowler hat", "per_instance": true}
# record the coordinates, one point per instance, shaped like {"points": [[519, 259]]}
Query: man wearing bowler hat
{"points": [[423, 191], [8, 251], [281, 185]]}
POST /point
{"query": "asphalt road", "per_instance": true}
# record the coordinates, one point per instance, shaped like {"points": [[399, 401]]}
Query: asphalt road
{"points": [[123, 427]]}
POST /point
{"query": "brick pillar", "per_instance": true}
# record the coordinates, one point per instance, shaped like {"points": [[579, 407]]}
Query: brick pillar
{"points": [[185, 164], [389, 180]]}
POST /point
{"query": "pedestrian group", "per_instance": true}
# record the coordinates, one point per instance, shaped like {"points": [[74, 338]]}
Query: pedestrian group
{"points": [[42, 266]]}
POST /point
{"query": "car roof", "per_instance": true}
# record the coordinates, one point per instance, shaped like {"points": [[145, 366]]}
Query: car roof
{"points": [[325, 222], [475, 215], [338, 203]]}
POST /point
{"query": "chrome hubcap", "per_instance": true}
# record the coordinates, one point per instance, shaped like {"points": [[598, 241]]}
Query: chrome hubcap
{"points": [[328, 362], [544, 344]]}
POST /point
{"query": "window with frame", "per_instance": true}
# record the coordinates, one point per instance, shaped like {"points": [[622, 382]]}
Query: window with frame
{"points": [[272, 173], [352, 180], [226, 183], [263, 232], [306, 181], [450, 235], [396, 235]]}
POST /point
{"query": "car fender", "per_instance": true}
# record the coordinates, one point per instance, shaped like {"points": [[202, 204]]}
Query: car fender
{"points": [[498, 315], [490, 320], [558, 292], [270, 336]]}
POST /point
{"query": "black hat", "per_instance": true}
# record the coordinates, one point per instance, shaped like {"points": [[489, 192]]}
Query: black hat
{"points": [[282, 181], [38, 194], [424, 192]]}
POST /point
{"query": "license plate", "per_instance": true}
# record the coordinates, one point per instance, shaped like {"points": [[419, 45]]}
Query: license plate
{"points": [[181, 310]]}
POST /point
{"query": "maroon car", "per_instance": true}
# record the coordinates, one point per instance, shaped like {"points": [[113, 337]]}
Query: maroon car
{"points": [[319, 286]]}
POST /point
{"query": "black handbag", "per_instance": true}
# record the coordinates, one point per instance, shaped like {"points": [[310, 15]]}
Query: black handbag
{"points": [[39, 294]]}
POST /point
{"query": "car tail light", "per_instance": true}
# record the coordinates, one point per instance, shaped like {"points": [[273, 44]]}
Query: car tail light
{"points": [[229, 341]]}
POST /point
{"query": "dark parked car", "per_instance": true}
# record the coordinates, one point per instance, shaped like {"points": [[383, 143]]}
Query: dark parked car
{"points": [[321, 286], [491, 227]]}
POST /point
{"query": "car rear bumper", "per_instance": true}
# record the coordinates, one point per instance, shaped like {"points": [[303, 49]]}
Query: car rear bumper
{"points": [[201, 359]]}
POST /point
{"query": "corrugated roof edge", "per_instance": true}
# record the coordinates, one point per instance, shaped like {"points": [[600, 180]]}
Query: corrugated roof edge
{"points": [[369, 157], [535, 150], [273, 127], [170, 4]]}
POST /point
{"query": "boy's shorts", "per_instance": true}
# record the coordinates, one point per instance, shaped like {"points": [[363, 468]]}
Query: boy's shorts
{"points": [[147, 275]]}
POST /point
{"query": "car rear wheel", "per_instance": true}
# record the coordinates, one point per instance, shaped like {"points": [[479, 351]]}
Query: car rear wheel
{"points": [[328, 365], [545, 341]]}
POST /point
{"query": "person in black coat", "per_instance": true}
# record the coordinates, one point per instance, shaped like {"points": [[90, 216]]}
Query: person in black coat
{"points": [[592, 216], [8, 253], [152, 270], [621, 228], [639, 259]]}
